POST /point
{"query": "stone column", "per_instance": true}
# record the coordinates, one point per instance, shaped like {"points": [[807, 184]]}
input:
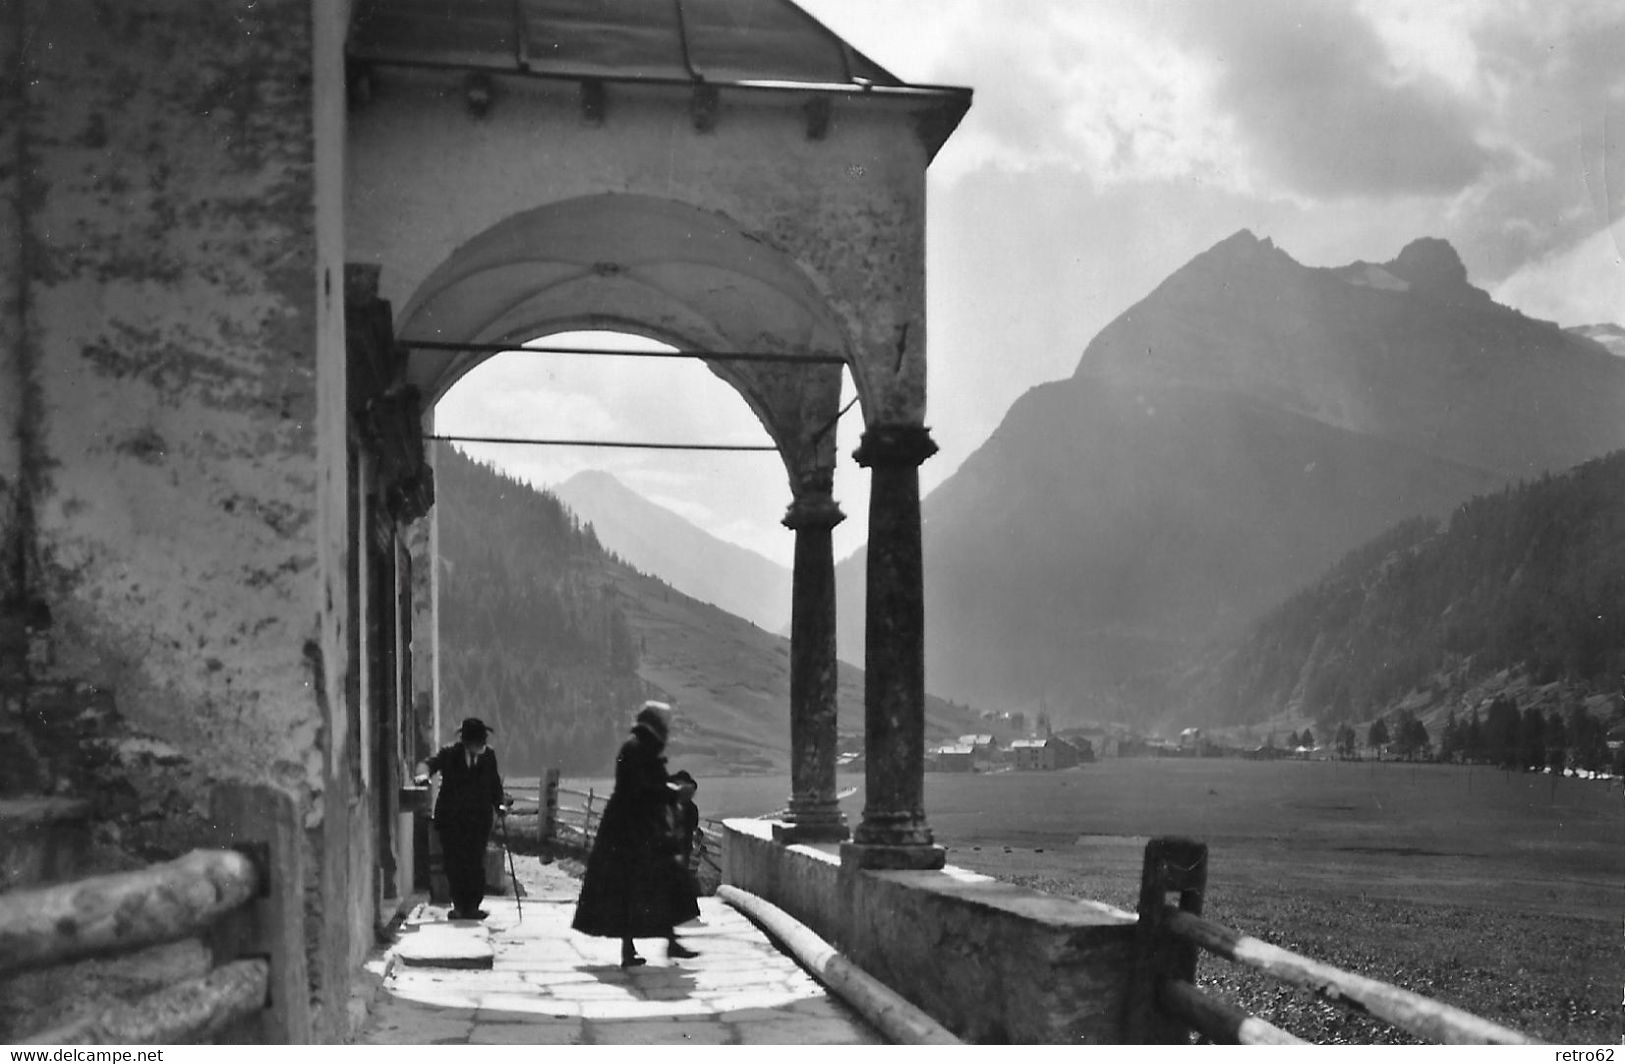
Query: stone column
{"points": [[894, 832], [815, 814]]}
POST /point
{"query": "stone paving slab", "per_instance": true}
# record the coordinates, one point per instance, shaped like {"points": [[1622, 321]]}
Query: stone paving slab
{"points": [[460, 944], [548, 985]]}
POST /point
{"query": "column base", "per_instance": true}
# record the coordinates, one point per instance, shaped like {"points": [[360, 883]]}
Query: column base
{"points": [[791, 832], [890, 857]]}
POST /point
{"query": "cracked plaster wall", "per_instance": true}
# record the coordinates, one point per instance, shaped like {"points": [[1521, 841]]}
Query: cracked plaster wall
{"points": [[177, 166], [170, 221]]}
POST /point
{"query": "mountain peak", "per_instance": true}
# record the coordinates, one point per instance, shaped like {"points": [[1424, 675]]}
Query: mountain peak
{"points": [[1245, 242], [1242, 253], [596, 478], [1429, 262], [1240, 238]]}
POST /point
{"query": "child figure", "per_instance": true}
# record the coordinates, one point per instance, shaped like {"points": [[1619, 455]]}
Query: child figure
{"points": [[687, 826]]}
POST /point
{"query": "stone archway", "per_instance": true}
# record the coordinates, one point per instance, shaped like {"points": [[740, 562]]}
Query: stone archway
{"points": [[659, 268], [697, 281]]}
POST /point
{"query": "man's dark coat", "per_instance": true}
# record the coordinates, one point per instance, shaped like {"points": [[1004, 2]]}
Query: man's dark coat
{"points": [[469, 796]]}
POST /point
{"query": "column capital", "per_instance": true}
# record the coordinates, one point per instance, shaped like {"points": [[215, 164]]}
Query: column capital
{"points": [[813, 511], [895, 445]]}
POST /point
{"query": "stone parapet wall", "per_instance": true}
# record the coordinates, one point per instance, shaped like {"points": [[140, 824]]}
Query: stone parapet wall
{"points": [[993, 962]]}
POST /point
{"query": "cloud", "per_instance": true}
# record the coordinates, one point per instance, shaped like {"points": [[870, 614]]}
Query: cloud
{"points": [[1322, 98], [1078, 86], [1570, 286], [1496, 124], [1557, 88], [1326, 109]]}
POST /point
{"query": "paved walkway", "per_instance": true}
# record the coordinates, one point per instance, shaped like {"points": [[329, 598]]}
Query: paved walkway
{"points": [[547, 984]]}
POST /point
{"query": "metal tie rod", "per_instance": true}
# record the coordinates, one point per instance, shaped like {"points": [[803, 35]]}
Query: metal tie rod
{"points": [[622, 352], [607, 443]]}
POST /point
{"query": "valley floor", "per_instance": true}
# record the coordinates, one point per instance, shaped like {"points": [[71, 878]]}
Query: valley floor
{"points": [[1497, 892]]}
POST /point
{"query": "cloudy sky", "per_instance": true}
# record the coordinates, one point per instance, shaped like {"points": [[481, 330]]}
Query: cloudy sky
{"points": [[1109, 142]]}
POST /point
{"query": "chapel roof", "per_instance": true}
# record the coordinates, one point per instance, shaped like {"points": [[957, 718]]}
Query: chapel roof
{"points": [[714, 41]]}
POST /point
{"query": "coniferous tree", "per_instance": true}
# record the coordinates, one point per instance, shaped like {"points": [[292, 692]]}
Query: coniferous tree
{"points": [[1451, 740], [1403, 741], [1588, 740], [1417, 739], [1377, 736], [1501, 725], [1473, 737], [1532, 739], [1557, 742]]}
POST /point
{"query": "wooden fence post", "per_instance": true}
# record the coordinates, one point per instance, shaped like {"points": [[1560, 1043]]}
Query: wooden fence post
{"points": [[547, 819], [265, 823], [1171, 865]]}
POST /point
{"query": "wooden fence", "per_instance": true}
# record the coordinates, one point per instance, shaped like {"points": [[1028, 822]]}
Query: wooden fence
{"points": [[567, 819], [1172, 935], [243, 900]]}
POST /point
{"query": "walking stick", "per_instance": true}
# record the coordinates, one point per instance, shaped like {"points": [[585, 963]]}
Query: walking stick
{"points": [[513, 873]]}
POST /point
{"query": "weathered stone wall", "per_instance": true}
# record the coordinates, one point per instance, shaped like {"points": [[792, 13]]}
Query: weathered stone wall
{"points": [[175, 335], [992, 962], [426, 175], [13, 375], [173, 358]]}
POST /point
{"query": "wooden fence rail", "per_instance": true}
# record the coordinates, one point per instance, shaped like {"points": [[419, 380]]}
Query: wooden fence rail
{"points": [[189, 1012], [1170, 936], [243, 899], [561, 826], [123, 912], [572, 827], [1219, 1021]]}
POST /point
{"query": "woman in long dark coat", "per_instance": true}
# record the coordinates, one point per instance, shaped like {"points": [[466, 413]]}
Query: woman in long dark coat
{"points": [[632, 886]]}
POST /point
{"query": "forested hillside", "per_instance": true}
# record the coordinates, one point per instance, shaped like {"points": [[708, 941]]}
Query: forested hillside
{"points": [[533, 638], [556, 641], [1526, 583]]}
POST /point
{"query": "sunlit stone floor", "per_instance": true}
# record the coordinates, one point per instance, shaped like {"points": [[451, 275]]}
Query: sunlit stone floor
{"points": [[547, 984]]}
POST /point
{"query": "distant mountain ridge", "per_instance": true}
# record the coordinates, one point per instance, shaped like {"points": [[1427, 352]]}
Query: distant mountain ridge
{"points": [[555, 641], [1610, 336], [1221, 444], [1407, 350], [664, 544]]}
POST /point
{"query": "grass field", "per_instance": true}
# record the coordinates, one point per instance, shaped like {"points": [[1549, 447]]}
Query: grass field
{"points": [[1502, 893]]}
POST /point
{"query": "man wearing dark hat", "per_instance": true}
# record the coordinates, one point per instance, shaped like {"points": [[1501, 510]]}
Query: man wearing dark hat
{"points": [[471, 797]]}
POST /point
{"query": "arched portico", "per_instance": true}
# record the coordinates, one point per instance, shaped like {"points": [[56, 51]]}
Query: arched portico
{"points": [[777, 216], [670, 272]]}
